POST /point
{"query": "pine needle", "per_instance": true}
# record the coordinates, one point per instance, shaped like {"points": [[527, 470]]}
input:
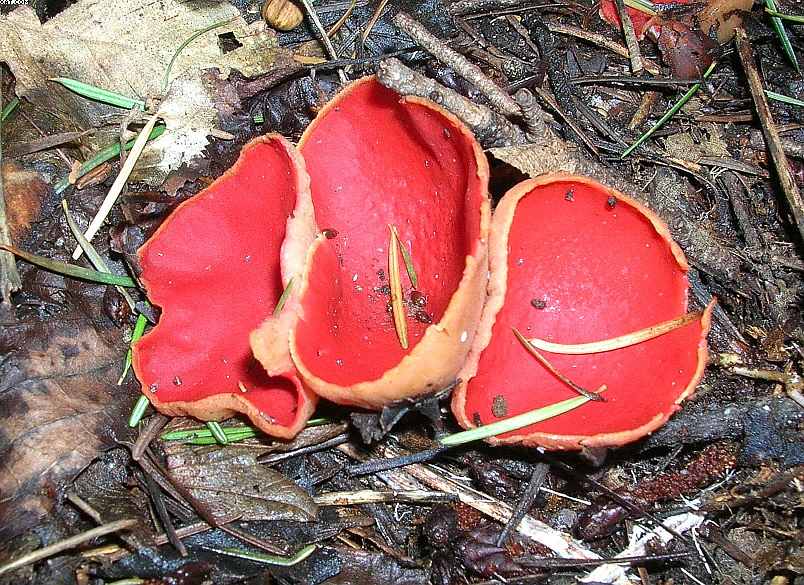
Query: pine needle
{"points": [[267, 559], [619, 342], [781, 32], [670, 113], [119, 183], [553, 370], [397, 306], [515, 422]]}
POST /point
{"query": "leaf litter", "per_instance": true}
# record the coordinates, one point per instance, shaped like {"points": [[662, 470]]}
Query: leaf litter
{"points": [[58, 412]]}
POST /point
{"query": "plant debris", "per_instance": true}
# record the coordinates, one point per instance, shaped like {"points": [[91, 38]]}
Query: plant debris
{"points": [[705, 136]]}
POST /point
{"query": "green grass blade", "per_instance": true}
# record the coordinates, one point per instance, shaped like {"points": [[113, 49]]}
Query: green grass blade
{"points": [[409, 268], [778, 26], [71, 270], [9, 108], [103, 156], [95, 259], [284, 297], [189, 40], [670, 113], [99, 95], [267, 559], [138, 411], [513, 423], [779, 97], [139, 329], [203, 435], [791, 17]]}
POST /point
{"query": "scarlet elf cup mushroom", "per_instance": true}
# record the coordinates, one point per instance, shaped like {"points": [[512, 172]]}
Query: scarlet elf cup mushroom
{"points": [[217, 267], [564, 261], [376, 160], [574, 262]]}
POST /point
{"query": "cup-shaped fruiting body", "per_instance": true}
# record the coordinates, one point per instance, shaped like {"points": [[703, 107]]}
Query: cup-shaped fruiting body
{"points": [[574, 262], [214, 268], [378, 164]]}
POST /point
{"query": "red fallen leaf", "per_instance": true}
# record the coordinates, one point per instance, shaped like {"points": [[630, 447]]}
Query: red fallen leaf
{"points": [[376, 159], [573, 261], [214, 268], [608, 12]]}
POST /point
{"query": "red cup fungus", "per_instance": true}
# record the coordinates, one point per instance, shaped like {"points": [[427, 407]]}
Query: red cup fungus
{"points": [[216, 266], [573, 262], [378, 161]]}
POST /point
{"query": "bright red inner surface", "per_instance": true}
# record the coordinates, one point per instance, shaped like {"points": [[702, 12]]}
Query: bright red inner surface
{"points": [[373, 161], [638, 18], [213, 267], [598, 272]]}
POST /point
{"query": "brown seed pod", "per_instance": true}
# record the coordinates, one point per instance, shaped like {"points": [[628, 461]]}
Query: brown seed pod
{"points": [[282, 14]]}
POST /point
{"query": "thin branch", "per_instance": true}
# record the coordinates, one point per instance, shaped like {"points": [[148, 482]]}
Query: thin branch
{"points": [[66, 544], [786, 180], [600, 40], [634, 54], [327, 42], [490, 128], [500, 100], [537, 478]]}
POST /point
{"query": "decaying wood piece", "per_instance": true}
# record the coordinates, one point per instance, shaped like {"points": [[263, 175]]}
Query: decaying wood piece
{"points": [[490, 128], [772, 139], [499, 99]]}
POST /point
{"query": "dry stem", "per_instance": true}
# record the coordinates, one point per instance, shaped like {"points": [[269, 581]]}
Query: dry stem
{"points": [[786, 180]]}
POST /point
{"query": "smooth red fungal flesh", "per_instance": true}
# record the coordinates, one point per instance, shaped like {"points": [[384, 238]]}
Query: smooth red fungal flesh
{"points": [[375, 160], [608, 12], [584, 266], [214, 268]]}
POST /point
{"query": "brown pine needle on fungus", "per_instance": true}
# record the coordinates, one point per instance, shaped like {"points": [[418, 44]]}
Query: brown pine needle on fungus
{"points": [[397, 306], [616, 342], [543, 360]]}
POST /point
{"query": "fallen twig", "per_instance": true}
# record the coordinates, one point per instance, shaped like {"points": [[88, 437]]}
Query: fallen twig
{"points": [[325, 40], [66, 544], [600, 40], [499, 99], [39, 144], [490, 128], [634, 54], [538, 475], [786, 180]]}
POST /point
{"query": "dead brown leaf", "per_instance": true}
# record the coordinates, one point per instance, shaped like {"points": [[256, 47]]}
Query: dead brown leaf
{"points": [[25, 192], [59, 407], [230, 481], [125, 46]]}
